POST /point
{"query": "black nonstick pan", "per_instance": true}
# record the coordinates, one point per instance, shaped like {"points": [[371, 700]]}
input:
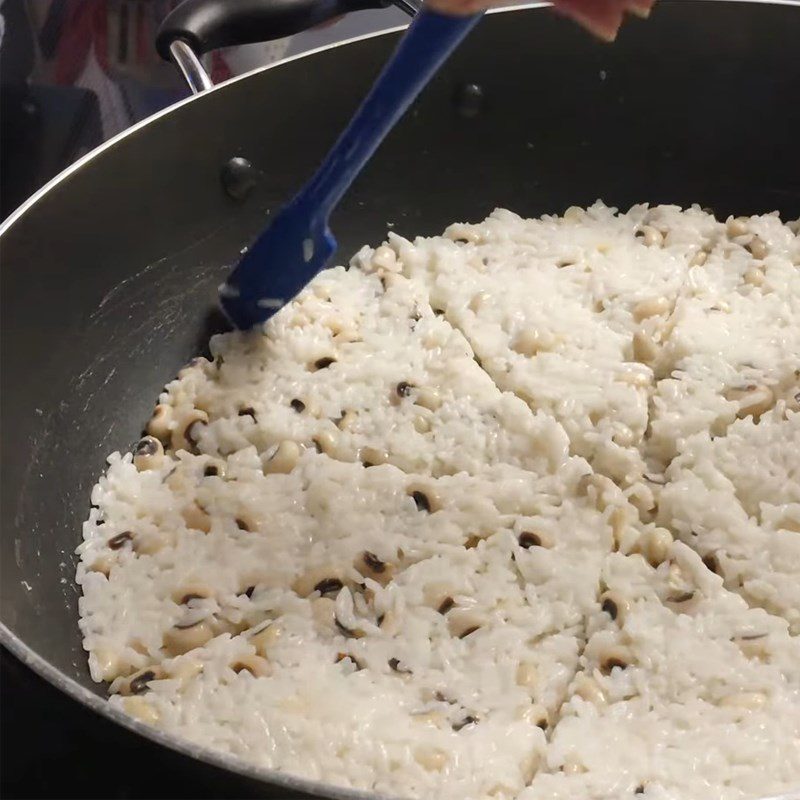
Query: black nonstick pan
{"points": [[109, 273]]}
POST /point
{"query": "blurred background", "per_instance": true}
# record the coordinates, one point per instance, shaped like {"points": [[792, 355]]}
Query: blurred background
{"points": [[73, 73]]}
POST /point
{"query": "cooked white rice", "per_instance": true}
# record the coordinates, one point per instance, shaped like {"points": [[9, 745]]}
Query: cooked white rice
{"points": [[508, 513]]}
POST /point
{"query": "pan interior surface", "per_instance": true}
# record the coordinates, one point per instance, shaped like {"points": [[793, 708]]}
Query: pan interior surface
{"points": [[530, 114]]}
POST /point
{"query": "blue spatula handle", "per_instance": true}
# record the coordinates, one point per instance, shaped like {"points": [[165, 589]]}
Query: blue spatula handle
{"points": [[298, 243], [429, 40]]}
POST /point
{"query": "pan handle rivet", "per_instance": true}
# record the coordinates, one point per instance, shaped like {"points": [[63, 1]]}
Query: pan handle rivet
{"points": [[238, 178], [468, 100]]}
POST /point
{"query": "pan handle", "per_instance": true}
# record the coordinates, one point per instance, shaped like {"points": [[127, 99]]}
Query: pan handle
{"points": [[196, 27]]}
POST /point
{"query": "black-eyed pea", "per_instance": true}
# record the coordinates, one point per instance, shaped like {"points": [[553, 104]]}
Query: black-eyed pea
{"points": [[120, 540], [214, 468], [651, 307], [434, 719], [389, 623], [257, 666], [531, 341], [187, 426], [600, 486], [344, 630], [148, 454], [179, 479], [370, 566], [347, 421], [754, 276], [196, 518], [265, 638], [790, 523], [533, 539], [422, 423], [615, 605], [643, 499], [326, 442], [139, 682], [748, 701], [139, 646], [150, 543], [527, 675], [537, 715], [461, 232], [737, 226], [754, 645], [655, 545], [636, 374], [193, 590], [462, 622], [623, 435], [284, 458], [574, 214], [326, 579], [160, 424], [245, 521], [431, 758], [572, 766], [179, 640], [385, 258], [478, 301], [428, 397], [322, 363], [348, 334], [184, 670], [323, 613], [679, 589], [624, 535], [721, 305], [758, 248], [221, 624], [645, 350], [141, 709], [373, 456], [439, 593], [588, 689], [108, 663], [425, 498], [615, 657], [335, 324], [650, 236], [102, 564], [752, 400], [529, 766]]}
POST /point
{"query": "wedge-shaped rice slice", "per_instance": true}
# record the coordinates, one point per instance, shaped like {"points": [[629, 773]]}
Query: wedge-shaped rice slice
{"points": [[733, 349], [736, 500], [684, 691], [360, 368], [375, 628], [554, 318]]}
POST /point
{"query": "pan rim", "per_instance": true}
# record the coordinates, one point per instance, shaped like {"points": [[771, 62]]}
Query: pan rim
{"points": [[26, 205], [96, 703], [18, 212]]}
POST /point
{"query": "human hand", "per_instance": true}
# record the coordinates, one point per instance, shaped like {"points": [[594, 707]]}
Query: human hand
{"points": [[602, 17]]}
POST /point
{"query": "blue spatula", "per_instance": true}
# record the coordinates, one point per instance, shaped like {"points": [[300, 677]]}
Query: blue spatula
{"points": [[298, 243]]}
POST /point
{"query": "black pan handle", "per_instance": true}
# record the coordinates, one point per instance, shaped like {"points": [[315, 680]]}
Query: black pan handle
{"points": [[205, 25]]}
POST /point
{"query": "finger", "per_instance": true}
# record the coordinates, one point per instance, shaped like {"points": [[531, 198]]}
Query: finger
{"points": [[601, 17]]}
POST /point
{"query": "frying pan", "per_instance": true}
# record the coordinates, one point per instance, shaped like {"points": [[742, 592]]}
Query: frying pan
{"points": [[109, 273]]}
